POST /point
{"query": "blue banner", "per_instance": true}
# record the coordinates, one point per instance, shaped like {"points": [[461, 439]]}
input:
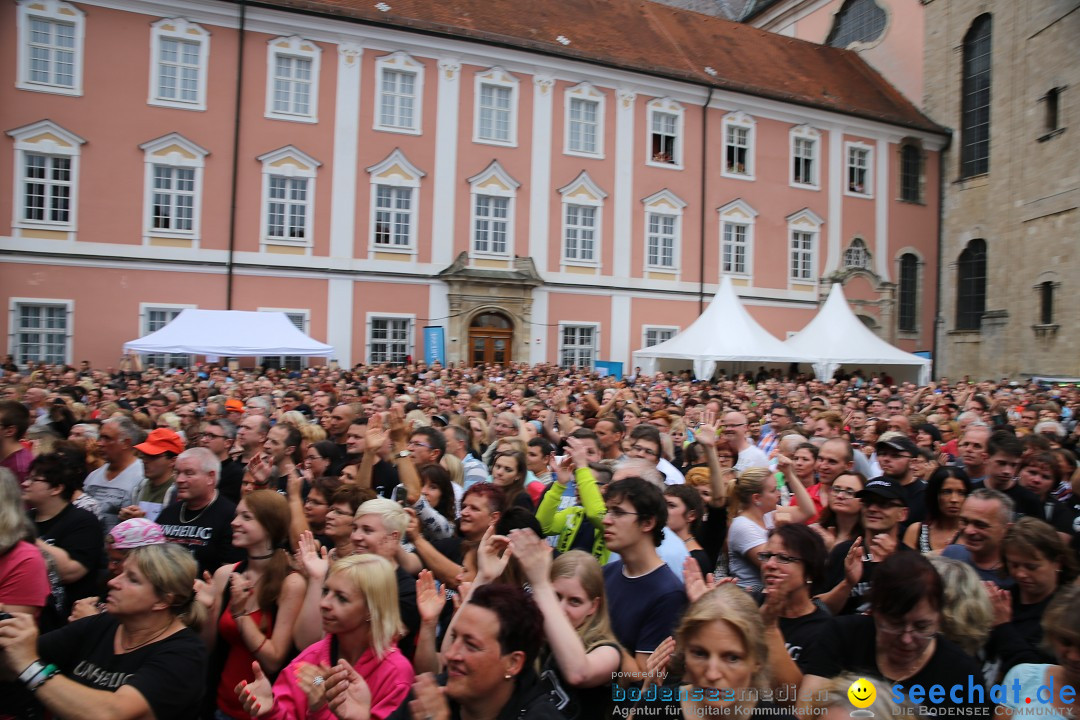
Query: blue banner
{"points": [[434, 343], [605, 368]]}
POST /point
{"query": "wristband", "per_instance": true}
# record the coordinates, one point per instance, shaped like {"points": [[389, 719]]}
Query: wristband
{"points": [[42, 677], [31, 670]]}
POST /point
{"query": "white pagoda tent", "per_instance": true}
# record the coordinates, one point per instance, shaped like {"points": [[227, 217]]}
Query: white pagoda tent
{"points": [[724, 333], [230, 333], [836, 337]]}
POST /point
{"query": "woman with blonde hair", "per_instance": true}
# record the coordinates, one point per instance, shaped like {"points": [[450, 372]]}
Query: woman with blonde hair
{"points": [[361, 621], [582, 654], [145, 661], [966, 615], [262, 597]]}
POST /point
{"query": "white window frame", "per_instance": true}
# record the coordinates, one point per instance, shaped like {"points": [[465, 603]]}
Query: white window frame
{"points": [[738, 212], [410, 339], [805, 132], [395, 172], [174, 151], [13, 325], [804, 221], [493, 181], [297, 48], [403, 63], [646, 329], [850, 147], [670, 107], [291, 163], [305, 326], [47, 139], [584, 92], [52, 11], [496, 77], [665, 204], [594, 326], [181, 30], [583, 192], [145, 308], [742, 121]]}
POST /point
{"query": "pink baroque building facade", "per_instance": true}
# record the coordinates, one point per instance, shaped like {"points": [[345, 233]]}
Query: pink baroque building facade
{"points": [[562, 189]]}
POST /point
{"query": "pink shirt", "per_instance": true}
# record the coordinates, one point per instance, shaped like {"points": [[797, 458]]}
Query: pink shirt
{"points": [[23, 578], [18, 462], [389, 680]]}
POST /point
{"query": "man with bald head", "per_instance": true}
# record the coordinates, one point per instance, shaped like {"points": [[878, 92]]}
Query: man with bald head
{"points": [[735, 426]]}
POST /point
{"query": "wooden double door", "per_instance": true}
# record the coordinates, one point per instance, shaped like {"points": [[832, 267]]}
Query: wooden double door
{"points": [[490, 338]]}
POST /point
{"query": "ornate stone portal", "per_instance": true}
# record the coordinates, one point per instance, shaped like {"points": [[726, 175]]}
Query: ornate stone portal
{"points": [[490, 309]]}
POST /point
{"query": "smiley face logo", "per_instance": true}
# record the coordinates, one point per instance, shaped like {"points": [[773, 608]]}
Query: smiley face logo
{"points": [[862, 693]]}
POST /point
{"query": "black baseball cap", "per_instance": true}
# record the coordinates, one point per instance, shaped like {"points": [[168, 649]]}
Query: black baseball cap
{"points": [[898, 442], [882, 487]]}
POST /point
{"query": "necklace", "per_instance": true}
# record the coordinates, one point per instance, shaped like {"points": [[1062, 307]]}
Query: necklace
{"points": [[267, 556], [183, 510], [147, 642]]}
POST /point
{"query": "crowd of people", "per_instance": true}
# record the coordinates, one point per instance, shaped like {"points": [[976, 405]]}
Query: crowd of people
{"points": [[533, 542]]}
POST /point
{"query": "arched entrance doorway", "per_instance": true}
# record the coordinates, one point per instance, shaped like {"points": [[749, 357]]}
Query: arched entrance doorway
{"points": [[490, 335]]}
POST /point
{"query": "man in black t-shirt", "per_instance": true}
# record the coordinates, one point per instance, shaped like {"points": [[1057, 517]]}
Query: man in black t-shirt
{"points": [[883, 513], [218, 437], [201, 518], [1004, 450]]}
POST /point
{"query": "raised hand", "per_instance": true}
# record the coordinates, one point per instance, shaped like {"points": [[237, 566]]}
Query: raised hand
{"points": [[312, 680], [694, 582], [533, 556], [256, 696], [577, 452], [656, 665], [430, 703], [311, 558], [492, 556], [430, 599], [204, 590], [853, 568], [706, 434], [1001, 601]]}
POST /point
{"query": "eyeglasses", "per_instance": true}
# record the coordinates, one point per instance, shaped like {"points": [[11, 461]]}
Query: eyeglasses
{"points": [[617, 512], [36, 478], [645, 451], [733, 426], [213, 435], [311, 501], [922, 630], [414, 443], [781, 558], [841, 492]]}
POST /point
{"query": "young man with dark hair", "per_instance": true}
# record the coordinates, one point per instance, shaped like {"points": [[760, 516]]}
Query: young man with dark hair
{"points": [[610, 432], [649, 597], [1003, 451], [645, 444]]}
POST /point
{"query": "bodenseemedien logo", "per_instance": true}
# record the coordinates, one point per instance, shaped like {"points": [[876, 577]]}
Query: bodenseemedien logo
{"points": [[862, 694]]}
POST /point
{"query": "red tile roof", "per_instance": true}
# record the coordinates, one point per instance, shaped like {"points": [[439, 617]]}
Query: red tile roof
{"points": [[658, 40]]}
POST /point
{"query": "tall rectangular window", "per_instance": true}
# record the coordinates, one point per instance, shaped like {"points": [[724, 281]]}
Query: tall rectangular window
{"points": [[397, 99], [734, 249], [47, 188], [491, 224], [292, 85], [393, 216], [580, 238], [665, 136], [388, 340], [975, 101], [910, 173], [661, 240], [495, 112], [584, 124], [737, 148], [174, 199], [40, 333], [52, 52], [287, 208], [178, 70], [802, 255], [908, 293], [803, 161], [153, 320], [971, 285], [577, 346], [858, 168], [1046, 303]]}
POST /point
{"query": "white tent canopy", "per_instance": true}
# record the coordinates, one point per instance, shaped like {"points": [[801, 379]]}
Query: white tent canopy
{"points": [[836, 337], [725, 332], [230, 333]]}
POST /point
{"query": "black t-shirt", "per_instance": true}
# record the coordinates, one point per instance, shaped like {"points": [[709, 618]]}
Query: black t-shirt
{"points": [[206, 533], [802, 632], [232, 477], [410, 614], [849, 645], [575, 703], [859, 600], [78, 532], [168, 673], [384, 478], [1025, 501], [915, 499]]}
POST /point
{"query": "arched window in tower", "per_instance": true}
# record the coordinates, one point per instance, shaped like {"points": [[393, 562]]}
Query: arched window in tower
{"points": [[859, 21], [971, 286], [975, 100]]}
